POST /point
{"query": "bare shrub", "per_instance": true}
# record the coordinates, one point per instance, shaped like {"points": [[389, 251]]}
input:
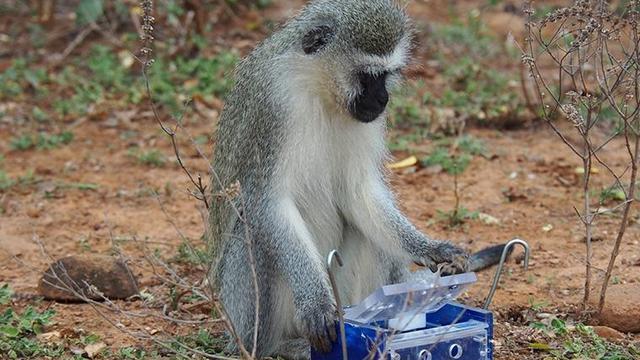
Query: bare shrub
{"points": [[584, 62]]}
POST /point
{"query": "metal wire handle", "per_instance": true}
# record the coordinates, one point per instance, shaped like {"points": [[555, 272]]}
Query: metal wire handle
{"points": [[336, 294], [503, 258]]}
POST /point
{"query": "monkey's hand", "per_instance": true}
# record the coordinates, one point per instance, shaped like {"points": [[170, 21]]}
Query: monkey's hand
{"points": [[450, 258], [316, 320]]}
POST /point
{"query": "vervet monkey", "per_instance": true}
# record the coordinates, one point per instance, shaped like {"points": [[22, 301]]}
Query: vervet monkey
{"points": [[303, 133]]}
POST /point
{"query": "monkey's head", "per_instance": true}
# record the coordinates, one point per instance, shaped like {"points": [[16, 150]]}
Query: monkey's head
{"points": [[360, 46]]}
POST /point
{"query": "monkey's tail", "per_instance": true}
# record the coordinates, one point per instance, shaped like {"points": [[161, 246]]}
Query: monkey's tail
{"points": [[487, 257]]}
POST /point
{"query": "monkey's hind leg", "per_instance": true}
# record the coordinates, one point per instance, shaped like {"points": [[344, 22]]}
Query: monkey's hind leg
{"points": [[294, 349], [237, 294]]}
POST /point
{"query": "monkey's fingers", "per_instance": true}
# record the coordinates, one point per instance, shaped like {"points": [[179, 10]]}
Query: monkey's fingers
{"points": [[328, 333], [331, 326], [322, 333], [321, 342]]}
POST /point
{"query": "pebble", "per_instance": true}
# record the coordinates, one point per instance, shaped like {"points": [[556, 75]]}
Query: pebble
{"points": [[608, 333], [108, 275]]}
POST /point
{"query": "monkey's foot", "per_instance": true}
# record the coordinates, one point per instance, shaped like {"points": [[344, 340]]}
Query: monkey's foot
{"points": [[318, 324]]}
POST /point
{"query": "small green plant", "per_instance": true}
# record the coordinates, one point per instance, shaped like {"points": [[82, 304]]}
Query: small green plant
{"points": [[190, 254], [406, 142], [202, 340], [22, 142], [457, 216], [5, 294], [134, 353], [88, 11], [89, 339], [81, 186], [46, 142], [18, 331], [41, 141], [16, 79], [474, 90], [5, 181], [609, 194], [29, 178], [406, 108], [537, 305], [579, 342], [85, 94], [472, 146], [409, 117], [470, 37], [454, 164], [153, 158], [29, 322], [198, 76], [106, 69], [39, 115]]}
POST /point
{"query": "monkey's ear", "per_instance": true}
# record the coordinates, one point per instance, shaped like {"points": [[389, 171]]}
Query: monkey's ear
{"points": [[317, 38]]}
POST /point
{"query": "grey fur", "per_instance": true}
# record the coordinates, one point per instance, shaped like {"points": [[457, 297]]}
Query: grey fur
{"points": [[296, 304]]}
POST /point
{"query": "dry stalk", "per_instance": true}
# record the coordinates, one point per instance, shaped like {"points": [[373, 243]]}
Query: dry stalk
{"points": [[201, 190]]}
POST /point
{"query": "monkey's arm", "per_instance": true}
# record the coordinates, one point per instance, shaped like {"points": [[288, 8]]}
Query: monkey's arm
{"points": [[381, 221], [290, 244]]}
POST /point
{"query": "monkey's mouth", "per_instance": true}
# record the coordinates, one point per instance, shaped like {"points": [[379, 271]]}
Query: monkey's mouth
{"points": [[372, 101]]}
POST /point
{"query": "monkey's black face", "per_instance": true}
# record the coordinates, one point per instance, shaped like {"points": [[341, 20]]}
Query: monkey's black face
{"points": [[373, 98]]}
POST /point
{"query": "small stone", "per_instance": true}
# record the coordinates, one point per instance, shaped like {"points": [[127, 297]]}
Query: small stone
{"points": [[49, 336], [33, 212], [93, 349], [488, 219], [621, 309], [84, 273], [77, 351], [434, 170], [608, 333]]}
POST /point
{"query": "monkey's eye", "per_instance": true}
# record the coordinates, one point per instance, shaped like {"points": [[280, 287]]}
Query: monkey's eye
{"points": [[316, 39]]}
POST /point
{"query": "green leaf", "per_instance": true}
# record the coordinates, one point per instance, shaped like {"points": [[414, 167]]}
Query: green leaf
{"points": [[584, 330], [7, 316], [540, 346], [559, 326], [85, 186], [5, 291], [37, 327], [538, 325], [88, 11], [9, 331]]}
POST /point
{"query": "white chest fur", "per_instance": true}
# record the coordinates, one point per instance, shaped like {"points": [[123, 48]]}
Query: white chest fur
{"points": [[327, 160]]}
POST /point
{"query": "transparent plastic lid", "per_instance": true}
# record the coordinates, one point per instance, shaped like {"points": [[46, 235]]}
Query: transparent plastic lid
{"points": [[426, 291]]}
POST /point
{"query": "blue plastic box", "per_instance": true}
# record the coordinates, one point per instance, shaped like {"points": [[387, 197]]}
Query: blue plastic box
{"points": [[416, 320]]}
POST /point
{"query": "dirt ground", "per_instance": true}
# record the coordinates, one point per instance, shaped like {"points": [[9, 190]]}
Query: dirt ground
{"points": [[529, 182]]}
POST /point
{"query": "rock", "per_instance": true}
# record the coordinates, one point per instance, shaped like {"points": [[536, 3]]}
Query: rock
{"points": [[109, 276], [49, 336], [622, 308], [488, 219], [93, 349], [608, 333]]}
